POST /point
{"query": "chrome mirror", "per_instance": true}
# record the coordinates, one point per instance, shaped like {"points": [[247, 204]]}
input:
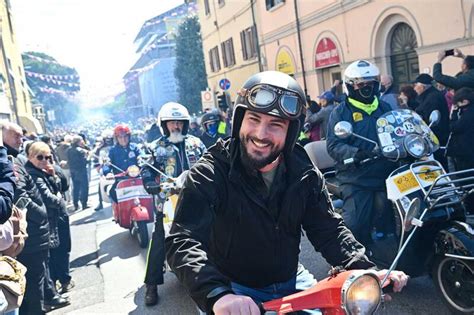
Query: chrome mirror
{"points": [[343, 129], [412, 213], [435, 116]]}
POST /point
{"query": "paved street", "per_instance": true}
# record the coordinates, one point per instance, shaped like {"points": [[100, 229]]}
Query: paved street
{"points": [[108, 268]]}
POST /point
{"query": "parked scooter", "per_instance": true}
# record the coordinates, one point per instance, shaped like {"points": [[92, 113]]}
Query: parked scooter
{"points": [[444, 244], [134, 207]]}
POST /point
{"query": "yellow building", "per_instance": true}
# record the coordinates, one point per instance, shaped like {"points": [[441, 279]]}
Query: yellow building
{"points": [[15, 103], [229, 43]]}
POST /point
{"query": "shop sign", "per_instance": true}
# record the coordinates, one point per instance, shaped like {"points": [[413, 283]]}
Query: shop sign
{"points": [[284, 62], [326, 53]]}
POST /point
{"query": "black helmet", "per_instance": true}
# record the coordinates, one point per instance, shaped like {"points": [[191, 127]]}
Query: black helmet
{"points": [[272, 93], [209, 117]]}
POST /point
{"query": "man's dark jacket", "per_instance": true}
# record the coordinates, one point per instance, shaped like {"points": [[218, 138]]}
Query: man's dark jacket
{"points": [[36, 215], [224, 231], [463, 80], [462, 132], [77, 159], [7, 186], [369, 175], [430, 100], [153, 133]]}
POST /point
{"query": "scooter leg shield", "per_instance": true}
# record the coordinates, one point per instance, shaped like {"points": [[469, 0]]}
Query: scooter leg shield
{"points": [[457, 239]]}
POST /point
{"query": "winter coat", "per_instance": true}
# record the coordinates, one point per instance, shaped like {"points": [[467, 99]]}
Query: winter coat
{"points": [[390, 96], [77, 159], [430, 100], [321, 118], [153, 133], [369, 175], [7, 186], [462, 133], [462, 80], [224, 230], [123, 157], [49, 188], [36, 214], [173, 158]]}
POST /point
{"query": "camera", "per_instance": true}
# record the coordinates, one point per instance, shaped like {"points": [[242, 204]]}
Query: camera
{"points": [[449, 52]]}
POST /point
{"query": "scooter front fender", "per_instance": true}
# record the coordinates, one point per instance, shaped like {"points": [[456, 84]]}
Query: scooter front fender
{"points": [[140, 213], [456, 239]]}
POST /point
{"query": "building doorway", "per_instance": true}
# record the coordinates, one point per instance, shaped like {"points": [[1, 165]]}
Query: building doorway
{"points": [[403, 57], [329, 75]]}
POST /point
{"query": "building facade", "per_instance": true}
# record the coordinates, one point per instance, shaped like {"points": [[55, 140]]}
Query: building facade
{"points": [[229, 40], [15, 102], [150, 83], [315, 40]]}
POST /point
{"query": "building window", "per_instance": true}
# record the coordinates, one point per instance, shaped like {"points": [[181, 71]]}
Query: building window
{"points": [[249, 44], [272, 3], [207, 8], [228, 52], [214, 59], [221, 2]]}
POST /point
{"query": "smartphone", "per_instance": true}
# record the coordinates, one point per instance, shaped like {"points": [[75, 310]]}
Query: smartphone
{"points": [[449, 52]]}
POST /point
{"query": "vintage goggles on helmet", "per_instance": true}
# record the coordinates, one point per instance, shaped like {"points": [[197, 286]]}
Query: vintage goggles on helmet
{"points": [[267, 97]]}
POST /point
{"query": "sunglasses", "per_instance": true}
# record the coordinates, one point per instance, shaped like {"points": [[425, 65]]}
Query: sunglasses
{"points": [[44, 157], [266, 96]]}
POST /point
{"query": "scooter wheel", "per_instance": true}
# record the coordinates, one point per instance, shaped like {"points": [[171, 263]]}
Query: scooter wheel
{"points": [[454, 279], [142, 234]]}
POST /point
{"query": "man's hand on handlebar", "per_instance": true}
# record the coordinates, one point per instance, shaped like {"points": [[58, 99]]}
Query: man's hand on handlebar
{"points": [[235, 304]]}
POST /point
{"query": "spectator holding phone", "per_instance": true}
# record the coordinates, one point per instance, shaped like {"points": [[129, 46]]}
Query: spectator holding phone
{"points": [[464, 79]]}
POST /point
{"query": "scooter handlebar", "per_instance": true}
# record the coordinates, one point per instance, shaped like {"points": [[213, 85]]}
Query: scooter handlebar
{"points": [[351, 161]]}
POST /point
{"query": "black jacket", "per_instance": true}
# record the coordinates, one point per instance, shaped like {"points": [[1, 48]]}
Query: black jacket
{"points": [[153, 133], [430, 100], [48, 187], [36, 215], [462, 80], [7, 186], [225, 231], [369, 175], [462, 133], [77, 159]]}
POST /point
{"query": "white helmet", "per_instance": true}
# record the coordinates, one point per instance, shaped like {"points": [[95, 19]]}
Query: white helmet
{"points": [[361, 72], [173, 111]]}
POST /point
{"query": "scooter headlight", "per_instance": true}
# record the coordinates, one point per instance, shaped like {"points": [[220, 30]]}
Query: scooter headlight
{"points": [[361, 293], [416, 146], [133, 171]]}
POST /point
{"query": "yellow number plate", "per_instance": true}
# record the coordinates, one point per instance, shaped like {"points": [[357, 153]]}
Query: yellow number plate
{"points": [[428, 175], [405, 182]]}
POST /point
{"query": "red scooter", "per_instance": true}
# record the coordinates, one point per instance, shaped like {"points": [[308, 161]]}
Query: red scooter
{"points": [[134, 208]]}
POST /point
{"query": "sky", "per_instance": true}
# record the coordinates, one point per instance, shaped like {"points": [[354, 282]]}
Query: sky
{"points": [[93, 36]]}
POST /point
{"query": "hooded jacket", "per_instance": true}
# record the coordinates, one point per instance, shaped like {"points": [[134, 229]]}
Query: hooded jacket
{"points": [[225, 231]]}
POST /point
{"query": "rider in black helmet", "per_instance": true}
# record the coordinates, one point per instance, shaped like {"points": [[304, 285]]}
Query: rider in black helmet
{"points": [[235, 238], [209, 123]]}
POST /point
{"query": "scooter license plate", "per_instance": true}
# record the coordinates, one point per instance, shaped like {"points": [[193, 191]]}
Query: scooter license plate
{"points": [[405, 182]]}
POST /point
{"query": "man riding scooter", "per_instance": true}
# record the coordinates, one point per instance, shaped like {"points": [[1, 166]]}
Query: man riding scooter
{"points": [[122, 155], [362, 184], [236, 236], [175, 152]]}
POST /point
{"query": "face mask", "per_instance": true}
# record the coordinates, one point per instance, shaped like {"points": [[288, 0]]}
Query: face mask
{"points": [[212, 129]]}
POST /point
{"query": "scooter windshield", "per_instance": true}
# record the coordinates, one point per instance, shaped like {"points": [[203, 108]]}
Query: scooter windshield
{"points": [[394, 126]]}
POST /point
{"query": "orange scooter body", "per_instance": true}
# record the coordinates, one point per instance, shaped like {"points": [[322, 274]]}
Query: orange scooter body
{"points": [[325, 295]]}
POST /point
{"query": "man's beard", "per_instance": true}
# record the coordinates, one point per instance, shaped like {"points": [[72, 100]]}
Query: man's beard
{"points": [[176, 137], [256, 163]]}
